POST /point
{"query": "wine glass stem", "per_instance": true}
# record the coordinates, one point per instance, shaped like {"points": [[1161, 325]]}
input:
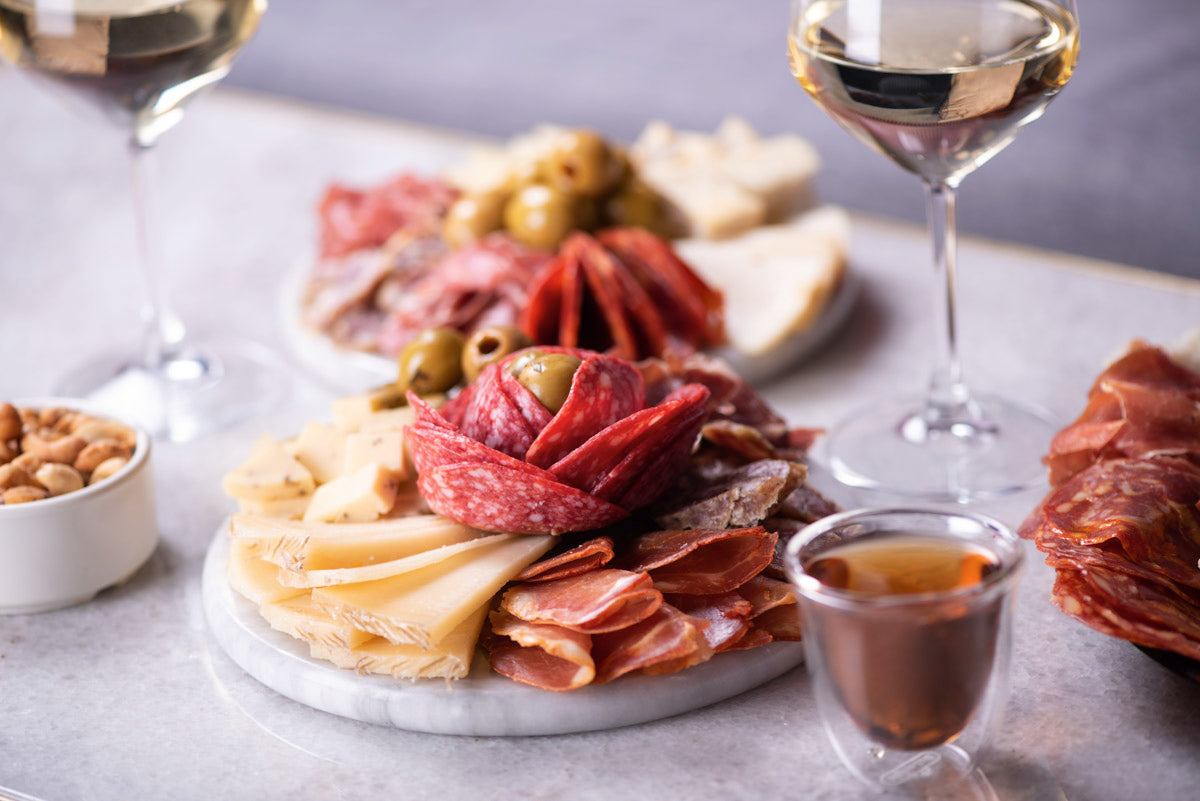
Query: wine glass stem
{"points": [[163, 330], [948, 400]]}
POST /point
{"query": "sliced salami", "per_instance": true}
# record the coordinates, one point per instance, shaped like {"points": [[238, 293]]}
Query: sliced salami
{"points": [[588, 555], [491, 417]]}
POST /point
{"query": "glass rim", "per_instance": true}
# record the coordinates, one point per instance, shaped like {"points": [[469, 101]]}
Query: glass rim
{"points": [[810, 587]]}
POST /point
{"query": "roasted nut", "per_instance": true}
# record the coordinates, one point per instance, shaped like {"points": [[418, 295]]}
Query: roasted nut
{"points": [[7, 452], [69, 421], [23, 494], [91, 429], [52, 446], [96, 452], [13, 476], [29, 418], [48, 418], [10, 423], [107, 468], [29, 462], [59, 479]]}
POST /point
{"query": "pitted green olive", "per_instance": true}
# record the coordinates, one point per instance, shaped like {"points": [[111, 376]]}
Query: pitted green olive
{"points": [[489, 345], [549, 377], [539, 215], [635, 204], [431, 362], [518, 364], [473, 216], [580, 163]]}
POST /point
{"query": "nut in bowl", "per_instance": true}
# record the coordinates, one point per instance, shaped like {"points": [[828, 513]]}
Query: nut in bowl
{"points": [[78, 509]]}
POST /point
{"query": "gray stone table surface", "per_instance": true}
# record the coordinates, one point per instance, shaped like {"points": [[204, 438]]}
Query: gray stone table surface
{"points": [[128, 696]]}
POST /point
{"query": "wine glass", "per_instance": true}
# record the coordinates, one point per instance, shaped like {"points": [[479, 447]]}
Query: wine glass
{"points": [[140, 62], [939, 87]]}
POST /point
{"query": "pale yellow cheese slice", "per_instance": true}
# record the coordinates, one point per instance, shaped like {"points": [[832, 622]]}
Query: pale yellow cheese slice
{"points": [[253, 577], [350, 411], [422, 606], [286, 508], [321, 448], [366, 494], [379, 570], [388, 419], [300, 545], [299, 617], [449, 659], [382, 447], [269, 474]]}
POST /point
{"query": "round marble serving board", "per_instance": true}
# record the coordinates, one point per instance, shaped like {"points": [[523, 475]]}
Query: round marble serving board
{"points": [[483, 703], [348, 370]]}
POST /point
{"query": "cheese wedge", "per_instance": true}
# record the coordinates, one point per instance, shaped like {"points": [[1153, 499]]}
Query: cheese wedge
{"points": [[423, 606], [300, 545], [253, 577], [269, 474], [388, 420], [350, 411], [384, 447], [299, 617], [364, 495], [379, 570], [449, 659], [322, 449], [287, 508]]}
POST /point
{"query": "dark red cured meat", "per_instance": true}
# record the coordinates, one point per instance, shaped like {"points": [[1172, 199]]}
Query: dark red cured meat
{"points": [[501, 497], [570, 312], [594, 602], [603, 391], [535, 414], [650, 332], [776, 611], [700, 562], [727, 614], [544, 656], [588, 555], [665, 642], [491, 417], [352, 219], [656, 462], [600, 270], [540, 317]]}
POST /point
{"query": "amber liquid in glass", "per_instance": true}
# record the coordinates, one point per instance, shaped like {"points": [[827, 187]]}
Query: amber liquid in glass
{"points": [[911, 675]]}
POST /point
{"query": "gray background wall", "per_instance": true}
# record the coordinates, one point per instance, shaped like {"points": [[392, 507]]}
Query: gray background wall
{"points": [[1112, 170]]}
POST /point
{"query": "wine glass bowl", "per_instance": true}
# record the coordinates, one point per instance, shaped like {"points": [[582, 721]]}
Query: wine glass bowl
{"points": [[939, 87]]}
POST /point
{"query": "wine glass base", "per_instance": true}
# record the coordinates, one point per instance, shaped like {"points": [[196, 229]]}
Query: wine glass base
{"points": [[892, 448], [195, 391]]}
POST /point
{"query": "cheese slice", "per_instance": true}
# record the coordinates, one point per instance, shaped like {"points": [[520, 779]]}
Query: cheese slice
{"points": [[379, 446], [449, 659], [321, 448], [300, 545], [379, 570], [253, 577], [423, 606], [350, 411], [269, 474], [286, 508], [388, 419], [366, 494], [299, 617]]}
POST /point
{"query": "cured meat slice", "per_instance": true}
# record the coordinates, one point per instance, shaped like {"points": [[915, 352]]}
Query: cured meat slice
{"points": [[650, 332], [500, 497], [603, 391], [493, 418], [666, 642], [600, 271], [701, 562], [776, 611], [545, 656], [727, 615], [587, 464], [598, 601], [352, 219], [589, 555], [745, 497], [741, 439]]}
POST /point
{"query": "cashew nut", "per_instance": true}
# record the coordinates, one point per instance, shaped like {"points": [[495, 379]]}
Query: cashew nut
{"points": [[59, 479], [29, 462], [96, 452], [10, 423], [90, 429], [52, 446], [108, 468], [14, 476], [7, 452], [48, 418], [23, 494]]}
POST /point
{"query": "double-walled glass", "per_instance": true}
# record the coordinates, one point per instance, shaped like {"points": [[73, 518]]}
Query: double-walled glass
{"points": [[909, 684]]}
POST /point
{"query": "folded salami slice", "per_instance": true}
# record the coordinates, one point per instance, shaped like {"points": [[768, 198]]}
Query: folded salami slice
{"points": [[600, 269], [598, 601], [545, 656], [666, 642], [493, 418], [535, 414], [603, 391], [500, 497], [586, 556], [702, 561]]}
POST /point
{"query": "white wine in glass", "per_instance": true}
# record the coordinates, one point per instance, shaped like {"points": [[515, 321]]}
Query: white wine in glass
{"points": [[141, 62], [939, 87]]}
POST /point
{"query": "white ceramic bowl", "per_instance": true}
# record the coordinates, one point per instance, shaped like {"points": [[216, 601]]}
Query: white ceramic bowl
{"points": [[61, 551]]}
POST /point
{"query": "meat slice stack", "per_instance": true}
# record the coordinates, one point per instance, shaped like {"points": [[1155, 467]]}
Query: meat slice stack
{"points": [[670, 599], [1122, 525]]}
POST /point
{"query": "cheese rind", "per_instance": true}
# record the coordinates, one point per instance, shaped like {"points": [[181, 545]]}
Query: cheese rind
{"points": [[254, 578], [299, 617], [422, 606], [270, 473], [364, 495]]}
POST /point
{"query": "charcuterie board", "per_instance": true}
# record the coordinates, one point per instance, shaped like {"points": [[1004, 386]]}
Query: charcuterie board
{"points": [[484, 703]]}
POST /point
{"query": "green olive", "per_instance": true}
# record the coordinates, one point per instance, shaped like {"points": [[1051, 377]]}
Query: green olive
{"points": [[473, 216], [539, 215], [635, 204], [580, 163], [548, 377], [489, 345], [431, 362], [518, 364]]}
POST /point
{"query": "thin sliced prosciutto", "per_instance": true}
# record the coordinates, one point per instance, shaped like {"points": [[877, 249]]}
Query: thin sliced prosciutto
{"points": [[701, 562], [666, 642], [582, 558], [598, 601], [546, 656]]}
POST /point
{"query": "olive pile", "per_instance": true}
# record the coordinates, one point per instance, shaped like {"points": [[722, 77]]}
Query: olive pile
{"points": [[438, 359], [581, 183]]}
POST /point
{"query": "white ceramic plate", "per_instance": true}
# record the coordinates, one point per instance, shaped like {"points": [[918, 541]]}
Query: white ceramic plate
{"points": [[484, 703], [350, 371]]}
